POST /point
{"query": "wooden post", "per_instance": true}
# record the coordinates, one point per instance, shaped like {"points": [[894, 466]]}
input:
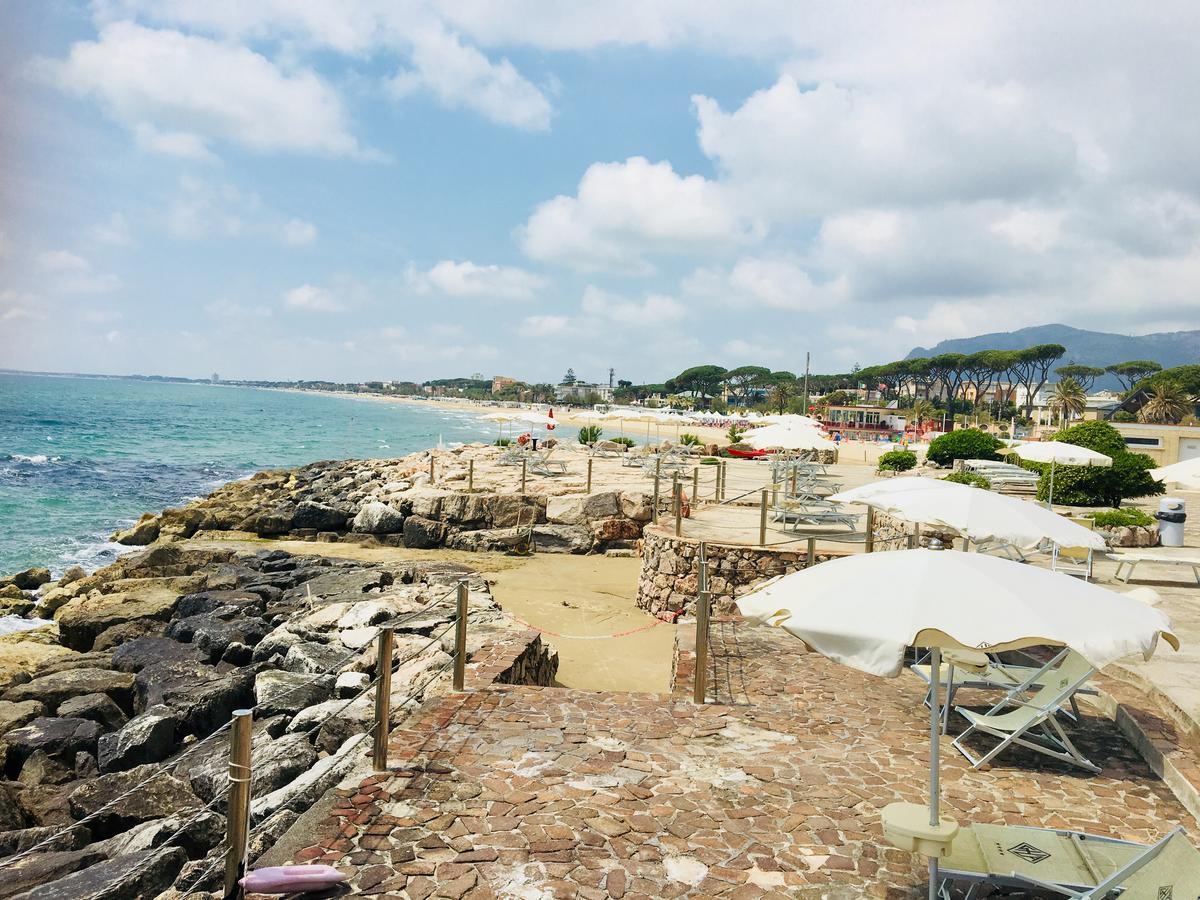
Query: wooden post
{"points": [[431, 468], [237, 825], [717, 483], [383, 697], [914, 539], [696, 485], [524, 473], [700, 681], [762, 519], [795, 474], [812, 552], [678, 489], [460, 637], [869, 542], [654, 506], [471, 475], [589, 476]]}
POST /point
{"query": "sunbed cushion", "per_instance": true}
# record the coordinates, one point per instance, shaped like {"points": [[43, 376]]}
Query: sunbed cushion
{"points": [[1060, 858]]}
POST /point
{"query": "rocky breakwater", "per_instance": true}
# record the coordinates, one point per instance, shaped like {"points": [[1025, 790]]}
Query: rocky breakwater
{"points": [[113, 718], [392, 502]]}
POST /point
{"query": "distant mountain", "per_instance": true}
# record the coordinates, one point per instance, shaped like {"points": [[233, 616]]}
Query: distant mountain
{"points": [[1089, 348]]}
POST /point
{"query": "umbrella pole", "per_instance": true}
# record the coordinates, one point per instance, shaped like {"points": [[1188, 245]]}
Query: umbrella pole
{"points": [[935, 672]]}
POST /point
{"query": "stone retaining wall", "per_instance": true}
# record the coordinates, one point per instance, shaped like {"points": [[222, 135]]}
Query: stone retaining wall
{"points": [[670, 567]]}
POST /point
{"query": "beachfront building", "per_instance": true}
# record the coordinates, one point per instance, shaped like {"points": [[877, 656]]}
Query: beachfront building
{"points": [[500, 382], [581, 390], [867, 423], [1165, 444]]}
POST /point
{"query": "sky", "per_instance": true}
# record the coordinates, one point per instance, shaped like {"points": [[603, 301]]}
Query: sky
{"points": [[394, 189]]}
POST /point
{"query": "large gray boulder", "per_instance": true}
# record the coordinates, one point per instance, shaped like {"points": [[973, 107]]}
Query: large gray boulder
{"points": [[135, 875], [320, 516], [25, 877], [97, 707], [603, 505], [55, 688], [60, 739], [141, 652], [312, 658], [276, 762], [313, 783], [201, 697], [290, 692], [163, 795], [562, 539], [147, 738], [423, 534], [378, 518]]}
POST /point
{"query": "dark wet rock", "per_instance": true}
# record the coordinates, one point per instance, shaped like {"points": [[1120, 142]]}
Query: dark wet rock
{"points": [[421, 533], [41, 768], [86, 765], [146, 738], [119, 635], [201, 697], [145, 874], [55, 688], [203, 602], [22, 839], [320, 516], [212, 632], [58, 738], [25, 877], [100, 708], [146, 651], [163, 795], [14, 715], [197, 833], [289, 692], [29, 580]]}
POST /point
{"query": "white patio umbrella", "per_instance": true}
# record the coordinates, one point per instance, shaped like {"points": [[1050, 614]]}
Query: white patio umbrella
{"points": [[977, 515], [502, 418], [1059, 452], [1185, 474], [788, 437], [944, 600]]}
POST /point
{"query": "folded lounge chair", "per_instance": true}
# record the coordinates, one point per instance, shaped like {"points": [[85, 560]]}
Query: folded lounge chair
{"points": [[1031, 722], [1071, 863]]}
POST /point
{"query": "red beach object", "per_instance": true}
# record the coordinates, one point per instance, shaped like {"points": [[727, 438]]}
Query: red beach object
{"points": [[292, 879]]}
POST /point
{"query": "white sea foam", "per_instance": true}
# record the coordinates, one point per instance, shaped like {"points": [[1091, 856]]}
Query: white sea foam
{"points": [[12, 624], [37, 459]]}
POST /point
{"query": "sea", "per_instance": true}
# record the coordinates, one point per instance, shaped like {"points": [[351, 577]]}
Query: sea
{"points": [[83, 457]]}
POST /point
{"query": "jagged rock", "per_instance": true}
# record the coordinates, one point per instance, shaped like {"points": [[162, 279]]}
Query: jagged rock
{"points": [[73, 574], [564, 510], [511, 510], [55, 688], [268, 832], [201, 697], [146, 651], [119, 635], [83, 618], [349, 684], [312, 658], [197, 834], [212, 633], [23, 652], [178, 524], [163, 795], [378, 518], [146, 738], [100, 708], [200, 603], [309, 786], [421, 533], [290, 692], [616, 529], [40, 768], [320, 516], [145, 874], [29, 580], [22, 839], [144, 531], [14, 602], [276, 762], [92, 660], [603, 505], [357, 714], [85, 765], [11, 817], [37, 869], [278, 519], [339, 585], [59, 738], [636, 506], [14, 715], [562, 539]]}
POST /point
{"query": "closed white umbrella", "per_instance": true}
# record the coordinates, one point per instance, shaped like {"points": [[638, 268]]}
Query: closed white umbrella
{"points": [[944, 600], [1185, 474], [974, 513], [1059, 452]]}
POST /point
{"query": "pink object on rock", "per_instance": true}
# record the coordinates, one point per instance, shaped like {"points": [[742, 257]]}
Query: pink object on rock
{"points": [[289, 879]]}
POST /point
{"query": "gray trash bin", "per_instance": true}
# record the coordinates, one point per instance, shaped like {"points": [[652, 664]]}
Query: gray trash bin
{"points": [[1171, 515]]}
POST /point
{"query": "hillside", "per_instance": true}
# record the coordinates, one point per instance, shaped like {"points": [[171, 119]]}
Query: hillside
{"points": [[1092, 348]]}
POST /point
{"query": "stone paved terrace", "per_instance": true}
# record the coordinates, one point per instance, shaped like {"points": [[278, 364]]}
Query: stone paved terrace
{"points": [[774, 790]]}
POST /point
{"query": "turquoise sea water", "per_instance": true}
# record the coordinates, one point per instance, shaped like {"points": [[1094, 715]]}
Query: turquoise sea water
{"points": [[81, 457]]}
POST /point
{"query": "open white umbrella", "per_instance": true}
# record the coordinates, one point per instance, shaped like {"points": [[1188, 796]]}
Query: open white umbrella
{"points": [[1185, 474], [944, 600], [788, 437], [976, 514], [1059, 453]]}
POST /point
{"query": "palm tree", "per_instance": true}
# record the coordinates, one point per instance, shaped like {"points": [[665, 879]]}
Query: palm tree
{"points": [[1068, 400], [1166, 405], [922, 411]]}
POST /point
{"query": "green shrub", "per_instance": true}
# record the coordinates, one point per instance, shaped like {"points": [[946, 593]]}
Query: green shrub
{"points": [[502, 442], [1123, 415], [624, 441], [735, 434], [1121, 518], [589, 434], [689, 440], [897, 461], [710, 461], [1129, 475], [970, 479], [968, 443]]}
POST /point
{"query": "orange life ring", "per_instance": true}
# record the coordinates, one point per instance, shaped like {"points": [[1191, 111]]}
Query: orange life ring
{"points": [[522, 440]]}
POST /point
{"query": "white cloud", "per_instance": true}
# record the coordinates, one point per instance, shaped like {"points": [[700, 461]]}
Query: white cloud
{"points": [[179, 92], [771, 282], [544, 326], [461, 76], [656, 310], [62, 261], [309, 298], [298, 233], [623, 213], [70, 273], [466, 279]]}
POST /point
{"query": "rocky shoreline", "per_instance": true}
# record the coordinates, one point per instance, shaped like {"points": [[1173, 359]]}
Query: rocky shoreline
{"points": [[112, 716]]}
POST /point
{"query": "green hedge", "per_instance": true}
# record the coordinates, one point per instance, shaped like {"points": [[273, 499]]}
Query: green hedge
{"points": [[968, 443], [1121, 518], [1129, 475], [897, 461], [969, 478]]}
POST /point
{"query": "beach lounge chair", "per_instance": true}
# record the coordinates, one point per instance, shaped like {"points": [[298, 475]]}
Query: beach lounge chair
{"points": [[542, 464], [1030, 722], [1071, 863], [1128, 561]]}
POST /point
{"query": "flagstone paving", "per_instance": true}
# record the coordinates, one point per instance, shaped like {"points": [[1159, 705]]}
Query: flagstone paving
{"points": [[773, 790]]}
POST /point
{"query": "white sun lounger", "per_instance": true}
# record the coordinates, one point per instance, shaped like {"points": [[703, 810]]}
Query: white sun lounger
{"points": [[1030, 722], [1071, 863], [542, 464], [1129, 561]]}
